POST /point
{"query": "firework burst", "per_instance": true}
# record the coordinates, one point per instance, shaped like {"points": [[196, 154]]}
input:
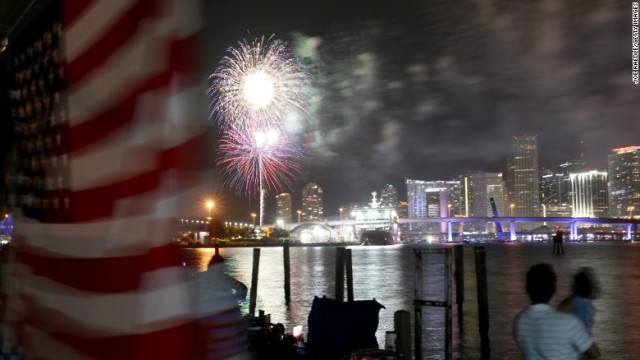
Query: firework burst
{"points": [[257, 85], [251, 161]]}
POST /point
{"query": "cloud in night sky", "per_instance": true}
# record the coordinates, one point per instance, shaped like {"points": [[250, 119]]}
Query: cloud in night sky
{"points": [[429, 90]]}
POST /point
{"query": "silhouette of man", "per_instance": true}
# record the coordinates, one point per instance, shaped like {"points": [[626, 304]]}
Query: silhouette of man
{"points": [[222, 331], [558, 248], [543, 332]]}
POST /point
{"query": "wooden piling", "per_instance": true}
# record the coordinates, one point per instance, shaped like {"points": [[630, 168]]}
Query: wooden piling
{"points": [[448, 321], [402, 328], [287, 273], [459, 278], [339, 283], [447, 303], [483, 301], [418, 308], [254, 281], [349, 268]]}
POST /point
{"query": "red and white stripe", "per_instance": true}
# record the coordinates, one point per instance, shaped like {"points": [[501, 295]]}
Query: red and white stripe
{"points": [[107, 284]]}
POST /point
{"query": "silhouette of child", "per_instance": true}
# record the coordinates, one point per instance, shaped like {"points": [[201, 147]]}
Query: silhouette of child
{"points": [[584, 289]]}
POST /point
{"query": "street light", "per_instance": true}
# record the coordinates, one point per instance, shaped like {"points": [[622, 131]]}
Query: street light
{"points": [[253, 215], [512, 206], [630, 209], [209, 224], [210, 206], [341, 210], [299, 213], [448, 210]]}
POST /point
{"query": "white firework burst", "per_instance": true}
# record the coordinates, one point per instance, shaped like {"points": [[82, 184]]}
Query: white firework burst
{"points": [[258, 85]]}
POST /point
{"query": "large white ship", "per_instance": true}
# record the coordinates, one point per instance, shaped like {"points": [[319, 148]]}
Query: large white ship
{"points": [[376, 225]]}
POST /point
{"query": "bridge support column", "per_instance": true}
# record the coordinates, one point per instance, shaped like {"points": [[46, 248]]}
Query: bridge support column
{"points": [[573, 231], [512, 229], [629, 236], [449, 233], [635, 232]]}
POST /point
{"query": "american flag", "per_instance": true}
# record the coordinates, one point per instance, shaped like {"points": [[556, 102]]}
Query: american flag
{"points": [[106, 105]]}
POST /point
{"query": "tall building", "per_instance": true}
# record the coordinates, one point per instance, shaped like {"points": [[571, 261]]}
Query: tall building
{"points": [[487, 185], [283, 208], [624, 182], [403, 209], [523, 176], [556, 194], [416, 199], [589, 194], [562, 170], [389, 197], [312, 203], [432, 198], [550, 183], [466, 195]]}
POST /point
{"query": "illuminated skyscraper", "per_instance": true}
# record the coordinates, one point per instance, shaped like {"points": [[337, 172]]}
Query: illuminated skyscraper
{"points": [[283, 204], [403, 209], [488, 185], [312, 203], [389, 197], [624, 182], [416, 199], [562, 171], [522, 176], [431, 198], [589, 194], [550, 188], [555, 188], [466, 195]]}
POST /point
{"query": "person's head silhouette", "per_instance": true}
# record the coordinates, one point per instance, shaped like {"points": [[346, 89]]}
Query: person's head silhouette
{"points": [[541, 283], [217, 258]]}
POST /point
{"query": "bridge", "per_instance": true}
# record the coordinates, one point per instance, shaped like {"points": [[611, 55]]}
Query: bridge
{"points": [[631, 225]]}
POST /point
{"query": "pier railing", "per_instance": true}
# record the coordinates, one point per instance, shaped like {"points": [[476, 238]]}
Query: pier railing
{"points": [[419, 302]]}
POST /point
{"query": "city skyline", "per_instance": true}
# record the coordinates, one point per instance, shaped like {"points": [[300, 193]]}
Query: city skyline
{"points": [[134, 211], [419, 90], [562, 165]]}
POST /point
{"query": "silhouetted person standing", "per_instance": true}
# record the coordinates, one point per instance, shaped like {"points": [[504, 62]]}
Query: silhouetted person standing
{"points": [[222, 331], [543, 332], [558, 248]]}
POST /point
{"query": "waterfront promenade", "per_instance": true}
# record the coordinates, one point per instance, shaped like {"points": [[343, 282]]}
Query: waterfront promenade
{"points": [[386, 274]]}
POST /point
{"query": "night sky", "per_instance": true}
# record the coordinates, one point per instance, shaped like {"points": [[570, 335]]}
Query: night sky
{"points": [[432, 89]]}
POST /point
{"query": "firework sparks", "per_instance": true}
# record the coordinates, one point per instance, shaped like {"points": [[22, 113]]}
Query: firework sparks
{"points": [[257, 85], [251, 161]]}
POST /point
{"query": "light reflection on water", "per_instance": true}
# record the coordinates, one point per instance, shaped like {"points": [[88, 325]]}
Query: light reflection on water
{"points": [[387, 274]]}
